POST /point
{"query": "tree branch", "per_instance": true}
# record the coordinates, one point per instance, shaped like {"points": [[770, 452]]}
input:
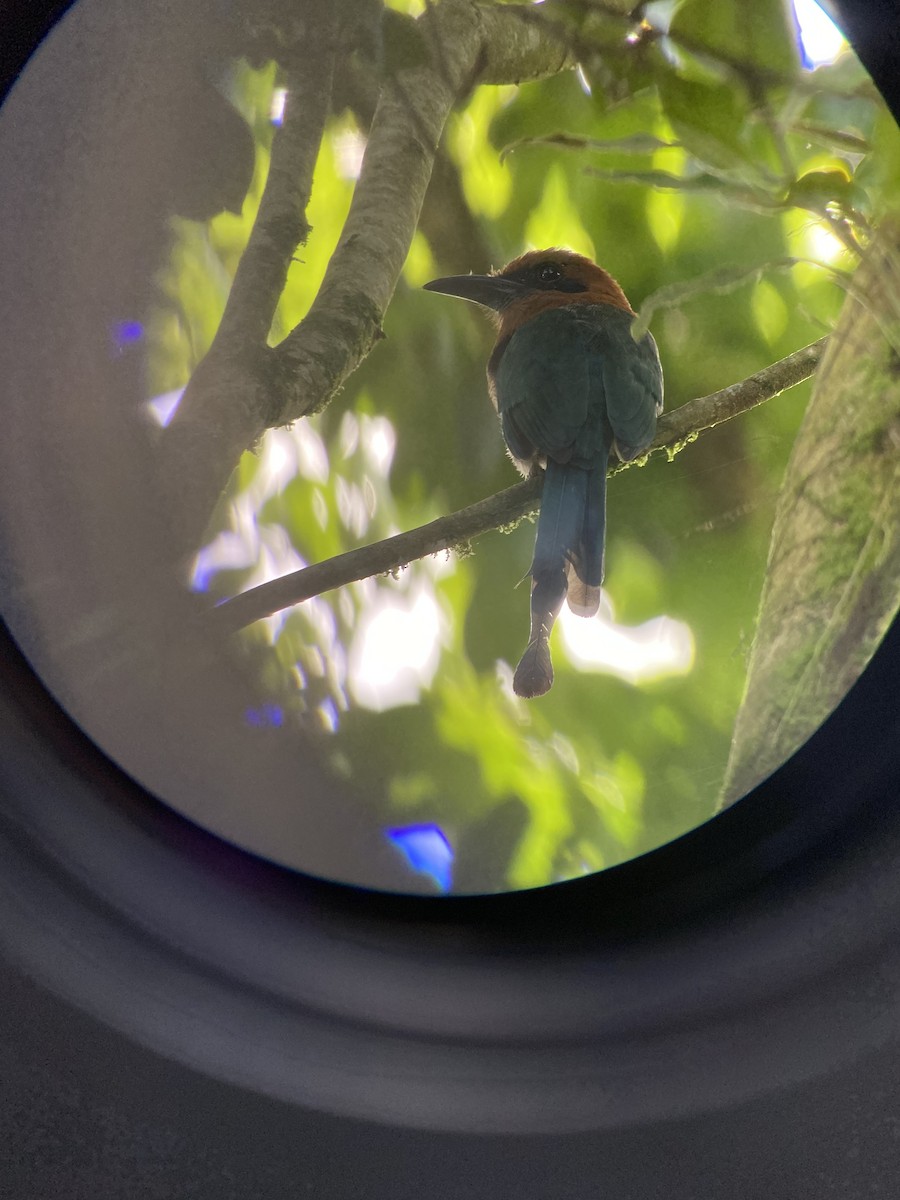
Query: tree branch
{"points": [[242, 387], [833, 575], [228, 401], [674, 432], [468, 44]]}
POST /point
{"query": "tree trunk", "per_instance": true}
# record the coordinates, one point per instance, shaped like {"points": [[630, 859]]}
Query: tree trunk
{"points": [[833, 576]]}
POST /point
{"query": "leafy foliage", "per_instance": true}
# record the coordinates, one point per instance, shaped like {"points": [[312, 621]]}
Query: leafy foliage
{"points": [[693, 148]]}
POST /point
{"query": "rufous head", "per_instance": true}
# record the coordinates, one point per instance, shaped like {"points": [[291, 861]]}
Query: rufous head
{"points": [[536, 281]]}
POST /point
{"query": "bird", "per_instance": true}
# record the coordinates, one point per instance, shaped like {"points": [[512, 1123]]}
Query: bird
{"points": [[571, 386]]}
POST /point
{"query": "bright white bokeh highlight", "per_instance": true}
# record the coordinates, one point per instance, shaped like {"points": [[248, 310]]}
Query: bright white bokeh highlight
{"points": [[162, 408], [823, 245], [636, 653], [820, 39], [399, 630], [396, 648], [276, 108], [349, 151], [379, 441]]}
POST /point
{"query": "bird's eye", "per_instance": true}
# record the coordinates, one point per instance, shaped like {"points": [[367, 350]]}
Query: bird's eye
{"points": [[549, 272]]}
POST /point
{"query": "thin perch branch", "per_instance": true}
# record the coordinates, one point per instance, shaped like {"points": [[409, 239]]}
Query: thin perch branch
{"points": [[674, 431], [685, 423]]}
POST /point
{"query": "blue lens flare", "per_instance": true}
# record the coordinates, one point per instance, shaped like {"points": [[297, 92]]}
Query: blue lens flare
{"points": [[427, 850], [125, 334], [266, 716]]}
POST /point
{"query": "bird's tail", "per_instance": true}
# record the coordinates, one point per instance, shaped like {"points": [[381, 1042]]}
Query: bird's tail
{"points": [[584, 565], [534, 674], [567, 564]]}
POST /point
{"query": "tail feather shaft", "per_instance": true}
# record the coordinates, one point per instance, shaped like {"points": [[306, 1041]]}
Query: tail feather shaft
{"points": [[567, 563], [534, 674]]}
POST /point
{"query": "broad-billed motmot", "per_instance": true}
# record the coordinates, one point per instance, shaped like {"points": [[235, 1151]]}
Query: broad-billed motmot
{"points": [[571, 385]]}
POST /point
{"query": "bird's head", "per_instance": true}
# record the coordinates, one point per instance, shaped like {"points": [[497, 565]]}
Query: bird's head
{"points": [[535, 281]]}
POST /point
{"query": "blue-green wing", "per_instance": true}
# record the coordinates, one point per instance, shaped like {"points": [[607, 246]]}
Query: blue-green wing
{"points": [[571, 378], [633, 384], [549, 389]]}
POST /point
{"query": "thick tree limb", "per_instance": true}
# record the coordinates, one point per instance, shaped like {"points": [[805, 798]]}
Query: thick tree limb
{"points": [[833, 573], [229, 399], [468, 43], [459, 241], [675, 430], [243, 386]]}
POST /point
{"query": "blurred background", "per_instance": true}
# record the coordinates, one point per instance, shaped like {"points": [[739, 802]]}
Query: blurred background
{"points": [[734, 155]]}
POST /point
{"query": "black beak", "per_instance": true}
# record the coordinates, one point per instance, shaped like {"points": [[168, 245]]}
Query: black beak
{"points": [[490, 291]]}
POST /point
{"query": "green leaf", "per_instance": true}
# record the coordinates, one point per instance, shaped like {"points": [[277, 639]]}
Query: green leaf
{"points": [[720, 281], [679, 183], [755, 199], [817, 189], [823, 192], [879, 172], [841, 140], [637, 143], [751, 35], [706, 117]]}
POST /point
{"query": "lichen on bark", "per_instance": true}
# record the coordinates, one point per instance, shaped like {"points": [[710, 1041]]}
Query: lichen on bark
{"points": [[833, 576]]}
